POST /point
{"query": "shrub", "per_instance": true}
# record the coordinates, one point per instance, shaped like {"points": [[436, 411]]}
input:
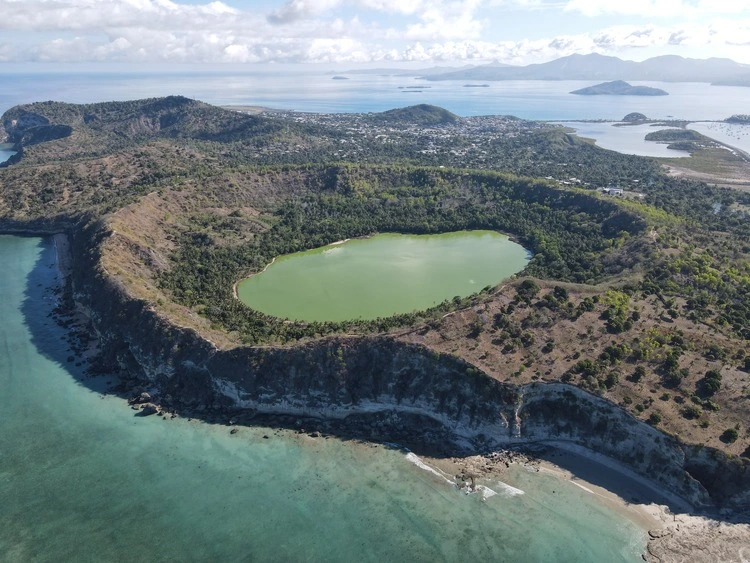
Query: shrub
{"points": [[638, 374], [527, 290], [729, 436], [613, 378], [672, 380], [691, 412], [709, 384], [560, 293], [714, 352]]}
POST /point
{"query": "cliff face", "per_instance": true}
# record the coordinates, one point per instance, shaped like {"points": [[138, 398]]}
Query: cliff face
{"points": [[24, 128], [396, 383]]}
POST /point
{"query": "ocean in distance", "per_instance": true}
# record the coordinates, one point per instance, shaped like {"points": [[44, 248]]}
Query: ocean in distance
{"points": [[315, 91], [84, 479]]}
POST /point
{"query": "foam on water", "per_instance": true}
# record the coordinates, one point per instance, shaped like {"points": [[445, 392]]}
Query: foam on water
{"points": [[415, 459], [484, 491], [509, 490]]}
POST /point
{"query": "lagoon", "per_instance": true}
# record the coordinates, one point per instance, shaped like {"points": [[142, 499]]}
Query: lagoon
{"points": [[84, 479], [382, 275], [625, 139]]}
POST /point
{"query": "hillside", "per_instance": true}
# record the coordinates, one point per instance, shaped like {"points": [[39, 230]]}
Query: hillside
{"points": [[422, 114], [106, 127], [627, 330]]}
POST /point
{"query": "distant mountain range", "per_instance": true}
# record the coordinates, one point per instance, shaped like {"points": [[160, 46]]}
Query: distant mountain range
{"points": [[668, 68]]}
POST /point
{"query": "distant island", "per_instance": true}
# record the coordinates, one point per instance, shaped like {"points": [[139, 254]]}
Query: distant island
{"points": [[634, 117], [476, 85], [619, 88], [743, 119], [339, 78]]}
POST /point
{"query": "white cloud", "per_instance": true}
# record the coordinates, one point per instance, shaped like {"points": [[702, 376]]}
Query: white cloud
{"points": [[327, 31], [684, 9], [302, 9]]}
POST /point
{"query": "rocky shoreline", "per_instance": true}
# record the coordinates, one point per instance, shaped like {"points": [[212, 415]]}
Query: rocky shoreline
{"points": [[418, 429]]}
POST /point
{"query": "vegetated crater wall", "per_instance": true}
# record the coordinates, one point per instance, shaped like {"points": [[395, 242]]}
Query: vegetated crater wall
{"points": [[340, 378]]}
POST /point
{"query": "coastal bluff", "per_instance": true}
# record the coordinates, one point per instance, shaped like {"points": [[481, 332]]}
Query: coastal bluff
{"points": [[378, 387], [168, 202]]}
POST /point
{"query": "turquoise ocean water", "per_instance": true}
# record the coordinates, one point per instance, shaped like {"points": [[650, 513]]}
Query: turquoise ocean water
{"points": [[83, 479]]}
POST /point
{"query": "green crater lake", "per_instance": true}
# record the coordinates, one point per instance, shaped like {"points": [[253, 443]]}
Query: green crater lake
{"points": [[382, 275]]}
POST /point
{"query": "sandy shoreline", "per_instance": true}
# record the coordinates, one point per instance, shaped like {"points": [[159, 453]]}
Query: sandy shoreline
{"points": [[668, 536]]}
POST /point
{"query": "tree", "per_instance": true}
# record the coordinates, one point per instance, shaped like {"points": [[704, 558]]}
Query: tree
{"points": [[709, 384], [527, 290], [638, 374]]}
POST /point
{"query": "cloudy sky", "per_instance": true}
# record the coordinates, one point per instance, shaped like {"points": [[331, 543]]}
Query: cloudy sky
{"points": [[376, 32]]}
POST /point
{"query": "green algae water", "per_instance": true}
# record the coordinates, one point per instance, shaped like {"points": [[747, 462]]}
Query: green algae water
{"points": [[382, 275], [83, 479]]}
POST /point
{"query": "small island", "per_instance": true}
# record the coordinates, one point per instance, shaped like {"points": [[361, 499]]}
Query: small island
{"points": [[635, 117], [476, 85], [619, 88], [339, 78]]}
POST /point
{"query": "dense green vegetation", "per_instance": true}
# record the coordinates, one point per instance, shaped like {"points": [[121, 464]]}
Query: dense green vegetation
{"points": [[569, 232], [669, 135], [219, 155]]}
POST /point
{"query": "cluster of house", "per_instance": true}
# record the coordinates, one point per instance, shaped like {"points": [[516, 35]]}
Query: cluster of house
{"points": [[614, 191], [620, 192]]}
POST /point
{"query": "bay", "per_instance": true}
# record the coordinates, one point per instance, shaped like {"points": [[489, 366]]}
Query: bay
{"points": [[735, 135], [627, 139], [84, 479], [313, 90]]}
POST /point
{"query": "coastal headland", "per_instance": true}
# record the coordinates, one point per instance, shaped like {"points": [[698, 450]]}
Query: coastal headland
{"points": [[608, 342]]}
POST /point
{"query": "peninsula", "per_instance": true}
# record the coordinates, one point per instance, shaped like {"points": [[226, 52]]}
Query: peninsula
{"points": [[625, 334]]}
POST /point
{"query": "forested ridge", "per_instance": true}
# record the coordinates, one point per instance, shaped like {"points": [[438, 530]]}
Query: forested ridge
{"points": [[569, 232], [643, 299]]}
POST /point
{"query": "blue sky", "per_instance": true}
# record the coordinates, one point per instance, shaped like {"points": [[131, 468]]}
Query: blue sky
{"points": [[367, 32]]}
